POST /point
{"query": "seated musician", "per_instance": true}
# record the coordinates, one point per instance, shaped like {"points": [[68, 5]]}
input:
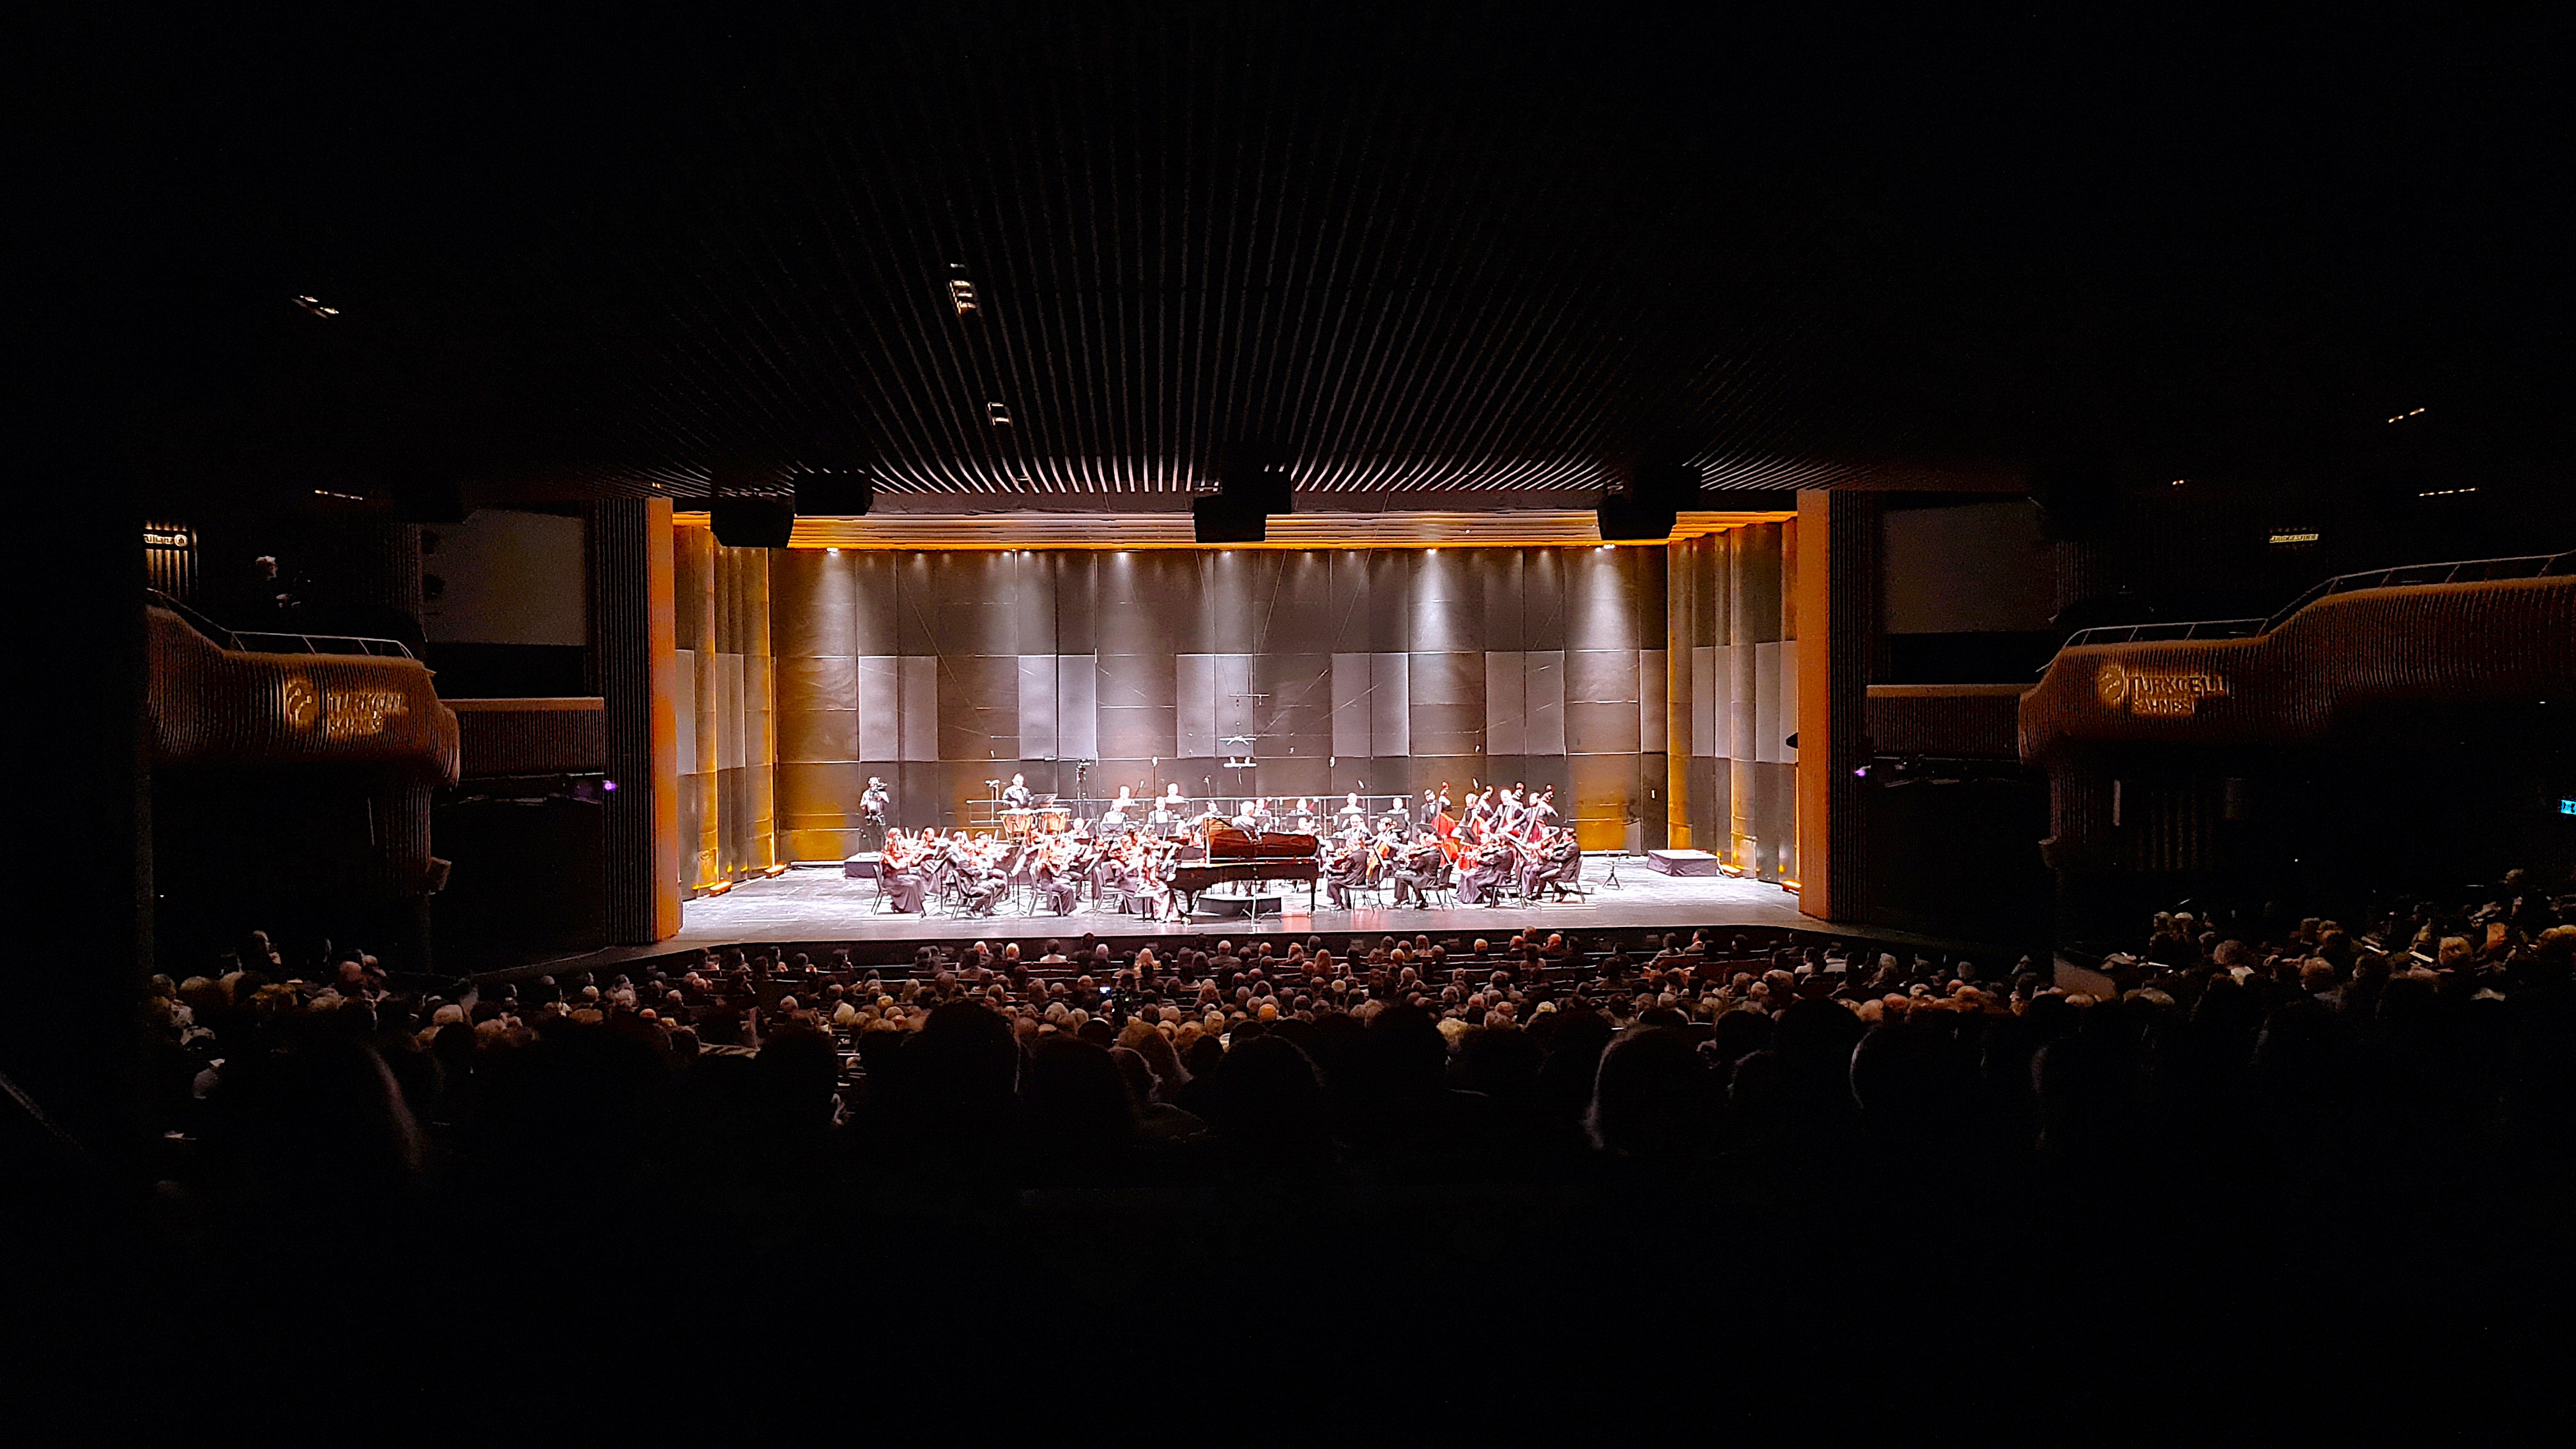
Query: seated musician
{"points": [[981, 883], [1120, 808], [1426, 812], [1417, 867], [1344, 872], [1019, 796], [1352, 809], [1051, 872], [1540, 865], [902, 881], [1248, 819], [1480, 877], [1303, 821]]}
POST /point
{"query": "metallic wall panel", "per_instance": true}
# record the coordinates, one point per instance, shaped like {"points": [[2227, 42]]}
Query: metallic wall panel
{"points": [[818, 681], [814, 602], [1448, 730], [1390, 704], [799, 845], [1448, 602], [1772, 716], [728, 712], [1446, 703], [1076, 608], [1297, 717], [1604, 792], [1298, 614], [1351, 706], [1706, 678], [970, 602], [873, 605], [1542, 599], [1130, 680], [1601, 598], [1543, 693], [1195, 701], [1390, 614], [684, 711], [1788, 699], [1138, 732], [1241, 586], [818, 734], [1350, 601], [909, 576], [980, 681], [1651, 718], [879, 686], [1506, 706], [1077, 714], [1235, 706], [917, 707], [1593, 728], [1601, 676], [1032, 602], [1037, 706], [759, 702], [1501, 575]]}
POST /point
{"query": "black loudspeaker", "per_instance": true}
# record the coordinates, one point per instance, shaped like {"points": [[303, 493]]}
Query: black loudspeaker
{"points": [[834, 495], [1626, 518], [752, 522], [1227, 519]]}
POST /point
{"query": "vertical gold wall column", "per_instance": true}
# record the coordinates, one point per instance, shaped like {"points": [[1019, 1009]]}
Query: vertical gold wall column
{"points": [[1837, 586], [1681, 601], [695, 572]]}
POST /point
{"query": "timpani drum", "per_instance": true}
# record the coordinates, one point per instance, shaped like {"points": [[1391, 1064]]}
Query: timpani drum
{"points": [[1054, 820], [1019, 825]]}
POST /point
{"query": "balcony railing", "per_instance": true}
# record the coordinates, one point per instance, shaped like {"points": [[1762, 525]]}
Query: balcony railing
{"points": [[2464, 571], [280, 641]]}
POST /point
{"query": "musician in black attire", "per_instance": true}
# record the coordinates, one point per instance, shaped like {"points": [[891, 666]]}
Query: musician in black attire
{"points": [[1019, 796]]}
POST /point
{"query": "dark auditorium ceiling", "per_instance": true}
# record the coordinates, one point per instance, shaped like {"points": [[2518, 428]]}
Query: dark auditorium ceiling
{"points": [[1457, 250]]}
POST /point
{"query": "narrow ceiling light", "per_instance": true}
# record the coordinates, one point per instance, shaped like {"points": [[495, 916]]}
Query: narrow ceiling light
{"points": [[1000, 414], [961, 295], [316, 308], [2401, 417]]}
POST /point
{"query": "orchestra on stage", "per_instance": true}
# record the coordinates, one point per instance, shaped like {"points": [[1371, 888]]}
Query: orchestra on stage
{"points": [[1155, 857]]}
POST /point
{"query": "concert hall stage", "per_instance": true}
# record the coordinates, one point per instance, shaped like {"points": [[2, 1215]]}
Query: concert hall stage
{"points": [[819, 904]]}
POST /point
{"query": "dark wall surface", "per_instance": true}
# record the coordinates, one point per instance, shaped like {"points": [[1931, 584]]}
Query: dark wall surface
{"points": [[1387, 670]]}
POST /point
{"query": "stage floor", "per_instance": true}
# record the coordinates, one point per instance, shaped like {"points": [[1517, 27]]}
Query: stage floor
{"points": [[821, 905]]}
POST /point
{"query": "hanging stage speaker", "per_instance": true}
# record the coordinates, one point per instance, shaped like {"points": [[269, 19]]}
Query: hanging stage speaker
{"points": [[834, 495], [1627, 518], [1227, 519], [752, 522]]}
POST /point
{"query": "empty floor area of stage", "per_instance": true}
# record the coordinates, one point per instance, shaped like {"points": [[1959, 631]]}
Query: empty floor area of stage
{"points": [[812, 904]]}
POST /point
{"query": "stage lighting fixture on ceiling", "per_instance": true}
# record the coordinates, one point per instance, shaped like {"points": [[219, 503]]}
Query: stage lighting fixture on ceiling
{"points": [[961, 295], [1000, 413], [834, 495], [318, 310], [752, 522], [1226, 519]]}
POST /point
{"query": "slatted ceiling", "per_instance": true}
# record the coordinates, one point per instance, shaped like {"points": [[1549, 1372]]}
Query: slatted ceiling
{"points": [[1409, 248], [1498, 529]]}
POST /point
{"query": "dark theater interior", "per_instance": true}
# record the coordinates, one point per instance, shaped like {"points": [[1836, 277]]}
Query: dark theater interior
{"points": [[1294, 722]]}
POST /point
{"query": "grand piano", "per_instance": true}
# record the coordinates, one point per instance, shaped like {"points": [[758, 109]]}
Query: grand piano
{"points": [[1233, 855]]}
